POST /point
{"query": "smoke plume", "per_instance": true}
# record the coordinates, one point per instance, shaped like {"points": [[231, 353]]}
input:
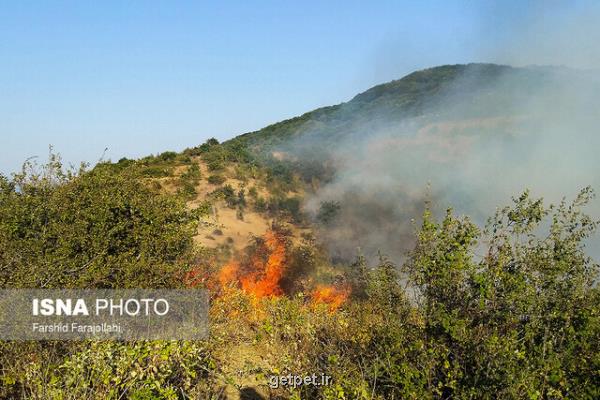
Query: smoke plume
{"points": [[485, 134]]}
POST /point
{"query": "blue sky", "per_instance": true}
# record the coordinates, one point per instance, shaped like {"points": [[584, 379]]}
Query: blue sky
{"points": [[145, 77]]}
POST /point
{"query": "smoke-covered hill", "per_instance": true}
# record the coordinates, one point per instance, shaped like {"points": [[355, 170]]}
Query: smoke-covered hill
{"points": [[475, 90], [463, 136]]}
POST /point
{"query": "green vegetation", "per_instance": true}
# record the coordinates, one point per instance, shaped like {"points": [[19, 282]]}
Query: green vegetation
{"points": [[288, 206], [90, 229], [189, 180], [100, 229], [520, 322], [509, 311], [504, 312], [328, 211], [410, 96], [305, 143], [216, 179]]}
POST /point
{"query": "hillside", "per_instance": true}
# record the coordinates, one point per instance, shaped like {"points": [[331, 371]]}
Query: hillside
{"points": [[448, 128], [431, 127], [476, 90], [351, 242]]}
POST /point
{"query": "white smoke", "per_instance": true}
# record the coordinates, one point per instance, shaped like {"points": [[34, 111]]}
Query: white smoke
{"points": [[472, 150]]}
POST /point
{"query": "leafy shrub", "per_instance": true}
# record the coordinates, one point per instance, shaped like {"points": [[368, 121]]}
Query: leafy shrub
{"points": [[260, 204], [192, 173], [167, 156], [140, 370], [328, 211], [289, 206], [216, 179], [89, 229], [188, 189], [216, 165], [189, 180], [227, 193]]}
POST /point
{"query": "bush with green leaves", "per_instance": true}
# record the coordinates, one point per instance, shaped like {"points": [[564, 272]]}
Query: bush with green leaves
{"points": [[216, 179], [113, 370], [328, 211], [189, 180], [92, 229], [508, 312]]}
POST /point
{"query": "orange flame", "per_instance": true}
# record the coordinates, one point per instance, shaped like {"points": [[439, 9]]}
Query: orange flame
{"points": [[229, 273], [330, 295], [260, 276], [262, 280]]}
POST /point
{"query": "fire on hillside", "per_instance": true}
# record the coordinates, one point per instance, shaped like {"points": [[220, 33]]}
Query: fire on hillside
{"points": [[260, 274]]}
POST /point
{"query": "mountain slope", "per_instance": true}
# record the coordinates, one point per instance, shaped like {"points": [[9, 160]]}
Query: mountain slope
{"points": [[466, 136], [476, 90]]}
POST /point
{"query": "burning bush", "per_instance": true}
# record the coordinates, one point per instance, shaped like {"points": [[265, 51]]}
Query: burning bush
{"points": [[260, 274], [333, 296]]}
